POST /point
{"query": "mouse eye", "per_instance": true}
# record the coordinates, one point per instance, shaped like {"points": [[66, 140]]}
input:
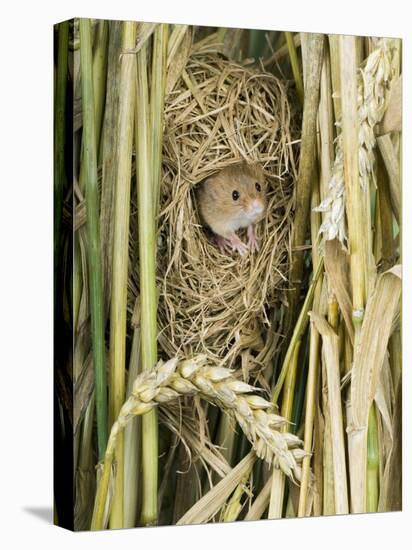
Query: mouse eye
{"points": [[258, 188], [235, 195]]}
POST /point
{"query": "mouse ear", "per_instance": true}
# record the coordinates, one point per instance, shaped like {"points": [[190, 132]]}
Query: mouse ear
{"points": [[248, 165], [256, 168]]}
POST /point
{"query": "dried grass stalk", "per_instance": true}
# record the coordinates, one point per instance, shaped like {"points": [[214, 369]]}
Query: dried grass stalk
{"points": [[325, 156], [315, 44], [179, 422], [260, 503], [331, 357], [392, 119], [312, 384], [336, 266], [391, 161], [206, 507], [234, 506], [179, 48], [350, 155]]}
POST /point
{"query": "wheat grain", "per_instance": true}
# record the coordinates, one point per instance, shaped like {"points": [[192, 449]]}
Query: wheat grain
{"points": [[175, 378], [374, 82]]}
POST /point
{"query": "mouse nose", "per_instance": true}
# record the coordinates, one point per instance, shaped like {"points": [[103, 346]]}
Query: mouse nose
{"points": [[255, 206]]}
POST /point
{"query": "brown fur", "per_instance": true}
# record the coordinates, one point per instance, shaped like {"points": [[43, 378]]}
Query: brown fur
{"points": [[218, 209]]}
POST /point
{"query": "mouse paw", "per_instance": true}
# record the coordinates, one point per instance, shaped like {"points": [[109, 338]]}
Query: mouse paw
{"points": [[252, 241], [223, 244], [231, 243], [237, 245]]}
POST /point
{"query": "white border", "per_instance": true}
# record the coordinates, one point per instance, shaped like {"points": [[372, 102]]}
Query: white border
{"points": [[26, 269]]}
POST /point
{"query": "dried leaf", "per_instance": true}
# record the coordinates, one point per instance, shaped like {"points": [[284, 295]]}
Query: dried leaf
{"points": [[373, 342], [336, 267], [212, 501]]}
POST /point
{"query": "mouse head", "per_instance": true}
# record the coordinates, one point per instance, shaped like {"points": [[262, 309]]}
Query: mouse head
{"points": [[244, 190]]}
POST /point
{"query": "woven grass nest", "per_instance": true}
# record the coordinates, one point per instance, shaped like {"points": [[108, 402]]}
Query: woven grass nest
{"points": [[219, 113]]}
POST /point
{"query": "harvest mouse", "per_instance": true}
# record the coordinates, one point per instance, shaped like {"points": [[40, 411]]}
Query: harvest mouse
{"points": [[233, 198]]}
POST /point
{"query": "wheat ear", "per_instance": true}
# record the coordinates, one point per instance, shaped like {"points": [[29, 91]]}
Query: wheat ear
{"points": [[374, 81], [217, 385]]}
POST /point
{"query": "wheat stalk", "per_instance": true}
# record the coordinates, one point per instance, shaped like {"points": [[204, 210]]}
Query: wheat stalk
{"points": [[217, 385], [374, 81]]}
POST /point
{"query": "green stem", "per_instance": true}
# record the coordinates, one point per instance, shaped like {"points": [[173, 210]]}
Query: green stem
{"points": [[102, 490], [277, 494], [234, 506], [132, 438], [309, 416], [373, 462], [300, 328], [160, 43], [94, 260], [100, 75], [221, 33], [99, 72], [294, 62], [59, 139], [256, 43], [118, 304], [147, 260], [77, 281]]}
